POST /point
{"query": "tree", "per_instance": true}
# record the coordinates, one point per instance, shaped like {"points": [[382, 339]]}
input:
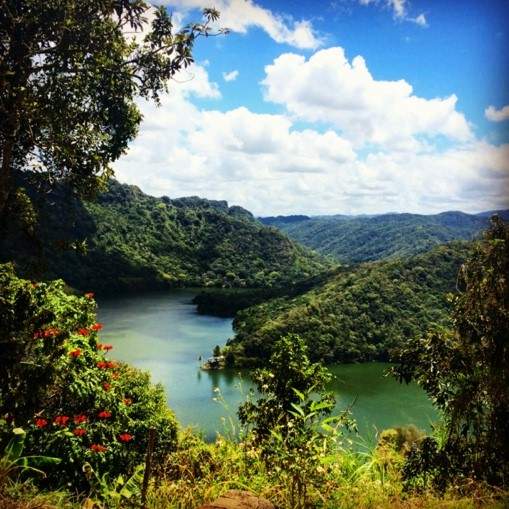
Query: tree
{"points": [[466, 371], [292, 426], [69, 74], [289, 375]]}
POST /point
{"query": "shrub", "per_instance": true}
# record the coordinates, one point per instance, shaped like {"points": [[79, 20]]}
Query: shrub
{"points": [[59, 385]]}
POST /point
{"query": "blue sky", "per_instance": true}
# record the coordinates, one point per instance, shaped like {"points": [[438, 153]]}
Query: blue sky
{"points": [[345, 106]]}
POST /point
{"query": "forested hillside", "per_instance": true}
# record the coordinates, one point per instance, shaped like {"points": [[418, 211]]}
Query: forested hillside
{"points": [[358, 314], [126, 239], [354, 239]]}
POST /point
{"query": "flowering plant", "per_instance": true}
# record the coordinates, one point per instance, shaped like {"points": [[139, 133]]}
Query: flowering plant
{"points": [[75, 403]]}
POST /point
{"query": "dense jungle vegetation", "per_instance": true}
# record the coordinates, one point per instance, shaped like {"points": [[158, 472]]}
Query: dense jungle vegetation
{"points": [[356, 239], [126, 239], [357, 314]]}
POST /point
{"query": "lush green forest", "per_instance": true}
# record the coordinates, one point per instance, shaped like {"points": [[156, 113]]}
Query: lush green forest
{"points": [[355, 239], [356, 314], [125, 239]]}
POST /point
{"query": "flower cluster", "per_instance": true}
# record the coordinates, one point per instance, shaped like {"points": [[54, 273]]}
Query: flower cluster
{"points": [[61, 420], [125, 437], [98, 448], [104, 414], [75, 353], [106, 364], [49, 332]]}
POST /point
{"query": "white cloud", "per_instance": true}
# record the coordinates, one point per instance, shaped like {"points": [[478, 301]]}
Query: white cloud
{"points": [[420, 20], [328, 88], [230, 76], [264, 163], [399, 9], [495, 115], [240, 15]]}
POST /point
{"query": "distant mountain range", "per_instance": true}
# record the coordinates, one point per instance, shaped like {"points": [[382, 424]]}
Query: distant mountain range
{"points": [[355, 239]]}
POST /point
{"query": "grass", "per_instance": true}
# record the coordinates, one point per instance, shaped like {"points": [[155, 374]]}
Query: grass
{"points": [[200, 472]]}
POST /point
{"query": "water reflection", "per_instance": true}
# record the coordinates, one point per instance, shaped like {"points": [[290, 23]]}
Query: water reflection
{"points": [[163, 334]]}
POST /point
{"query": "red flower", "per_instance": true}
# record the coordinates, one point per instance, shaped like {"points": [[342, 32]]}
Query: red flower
{"points": [[61, 420], [51, 332], [83, 331], [106, 386], [79, 432], [75, 353], [125, 437], [96, 327], [98, 448], [107, 347], [106, 365], [89, 295], [104, 414], [41, 423], [78, 419], [128, 401]]}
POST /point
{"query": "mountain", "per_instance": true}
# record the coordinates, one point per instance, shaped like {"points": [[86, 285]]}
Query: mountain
{"points": [[136, 241], [356, 239], [357, 314]]}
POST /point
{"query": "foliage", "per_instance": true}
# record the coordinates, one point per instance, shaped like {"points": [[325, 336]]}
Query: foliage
{"points": [[289, 377], [356, 314], [466, 371], [287, 420], [57, 383], [14, 463], [116, 493], [134, 241], [70, 71], [357, 239]]}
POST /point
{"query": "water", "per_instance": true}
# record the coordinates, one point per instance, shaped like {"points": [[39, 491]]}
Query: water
{"points": [[163, 334]]}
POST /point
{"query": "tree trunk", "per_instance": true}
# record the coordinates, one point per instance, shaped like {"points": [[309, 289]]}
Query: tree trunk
{"points": [[5, 174]]}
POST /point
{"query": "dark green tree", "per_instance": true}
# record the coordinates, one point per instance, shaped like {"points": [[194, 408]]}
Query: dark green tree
{"points": [[466, 371], [70, 71]]}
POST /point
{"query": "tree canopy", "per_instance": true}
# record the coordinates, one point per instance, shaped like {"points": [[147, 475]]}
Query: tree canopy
{"points": [[466, 370], [70, 71]]}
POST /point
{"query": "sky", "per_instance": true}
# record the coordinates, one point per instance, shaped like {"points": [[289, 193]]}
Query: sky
{"points": [[335, 107]]}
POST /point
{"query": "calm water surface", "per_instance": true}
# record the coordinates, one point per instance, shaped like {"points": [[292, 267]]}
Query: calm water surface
{"points": [[162, 333]]}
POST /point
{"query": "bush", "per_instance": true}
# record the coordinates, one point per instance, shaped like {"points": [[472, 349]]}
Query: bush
{"points": [[59, 385]]}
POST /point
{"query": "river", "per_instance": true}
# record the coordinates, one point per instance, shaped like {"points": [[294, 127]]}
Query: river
{"points": [[163, 334]]}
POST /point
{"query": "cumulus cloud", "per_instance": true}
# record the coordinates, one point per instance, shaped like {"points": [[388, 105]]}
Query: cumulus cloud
{"points": [[230, 76], [328, 88], [495, 115], [267, 164], [240, 15]]}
